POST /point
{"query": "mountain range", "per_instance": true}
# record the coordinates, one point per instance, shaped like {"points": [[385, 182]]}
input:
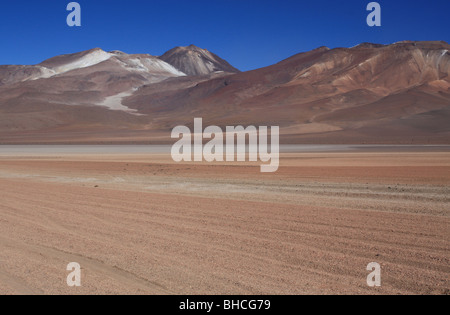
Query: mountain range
{"points": [[370, 93]]}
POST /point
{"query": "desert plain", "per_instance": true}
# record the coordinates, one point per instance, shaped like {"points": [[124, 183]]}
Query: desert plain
{"points": [[139, 223]]}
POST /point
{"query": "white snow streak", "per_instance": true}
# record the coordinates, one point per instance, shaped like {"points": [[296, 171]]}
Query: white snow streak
{"points": [[89, 60], [114, 102], [148, 64], [440, 58]]}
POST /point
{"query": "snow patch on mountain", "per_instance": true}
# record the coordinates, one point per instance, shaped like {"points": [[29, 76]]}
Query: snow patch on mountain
{"points": [[145, 64], [114, 102], [136, 64], [89, 60], [45, 73], [444, 52], [151, 65], [155, 64]]}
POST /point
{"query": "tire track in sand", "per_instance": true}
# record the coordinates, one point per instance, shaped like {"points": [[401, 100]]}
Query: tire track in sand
{"points": [[121, 276]]}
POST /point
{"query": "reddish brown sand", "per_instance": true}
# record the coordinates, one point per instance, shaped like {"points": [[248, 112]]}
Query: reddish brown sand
{"points": [[143, 224]]}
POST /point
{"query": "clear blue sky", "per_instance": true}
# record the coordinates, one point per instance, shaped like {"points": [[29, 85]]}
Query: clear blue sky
{"points": [[248, 33]]}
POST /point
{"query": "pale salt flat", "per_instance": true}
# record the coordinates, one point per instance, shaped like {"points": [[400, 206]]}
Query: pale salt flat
{"points": [[8, 150]]}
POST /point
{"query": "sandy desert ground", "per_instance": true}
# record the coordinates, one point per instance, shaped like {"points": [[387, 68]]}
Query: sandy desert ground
{"points": [[140, 223]]}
